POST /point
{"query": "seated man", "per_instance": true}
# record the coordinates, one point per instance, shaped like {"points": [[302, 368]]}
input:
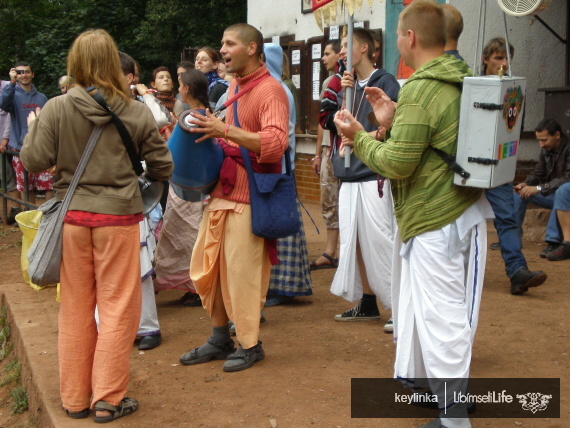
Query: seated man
{"points": [[502, 198], [551, 172], [562, 211]]}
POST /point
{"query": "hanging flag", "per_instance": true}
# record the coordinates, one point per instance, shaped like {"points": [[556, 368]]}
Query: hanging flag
{"points": [[326, 11], [320, 3]]}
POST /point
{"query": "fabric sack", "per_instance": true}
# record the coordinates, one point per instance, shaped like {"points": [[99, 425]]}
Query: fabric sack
{"points": [[44, 256], [273, 199]]}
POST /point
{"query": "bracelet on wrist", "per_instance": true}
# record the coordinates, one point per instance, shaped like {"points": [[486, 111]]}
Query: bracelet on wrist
{"points": [[226, 132]]}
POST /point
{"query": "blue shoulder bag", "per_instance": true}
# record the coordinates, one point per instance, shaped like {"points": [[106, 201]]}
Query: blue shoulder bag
{"points": [[273, 198]]}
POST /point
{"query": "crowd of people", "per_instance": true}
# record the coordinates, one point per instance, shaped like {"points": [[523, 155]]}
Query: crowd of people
{"points": [[409, 238]]}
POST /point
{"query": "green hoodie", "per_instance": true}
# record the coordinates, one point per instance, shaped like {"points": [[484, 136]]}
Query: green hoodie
{"points": [[425, 198]]}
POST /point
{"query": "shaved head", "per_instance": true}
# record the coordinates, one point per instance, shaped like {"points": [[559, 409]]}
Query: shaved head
{"points": [[248, 34], [425, 18]]}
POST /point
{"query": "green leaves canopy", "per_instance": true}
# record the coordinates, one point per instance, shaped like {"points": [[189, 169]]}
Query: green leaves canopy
{"points": [[154, 32]]}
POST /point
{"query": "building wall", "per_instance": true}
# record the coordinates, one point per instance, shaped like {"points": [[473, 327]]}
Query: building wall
{"points": [[307, 182], [287, 18]]}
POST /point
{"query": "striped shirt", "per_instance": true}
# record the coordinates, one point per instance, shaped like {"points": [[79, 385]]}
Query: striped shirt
{"points": [[425, 198], [264, 110]]}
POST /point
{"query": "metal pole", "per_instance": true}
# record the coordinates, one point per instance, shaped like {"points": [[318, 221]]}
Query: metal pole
{"points": [[508, 46], [349, 91], [4, 190], [477, 60]]}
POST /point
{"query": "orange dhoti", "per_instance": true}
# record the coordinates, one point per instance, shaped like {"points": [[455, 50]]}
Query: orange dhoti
{"points": [[230, 268]]}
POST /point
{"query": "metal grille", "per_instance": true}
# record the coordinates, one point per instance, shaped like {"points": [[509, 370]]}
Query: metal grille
{"points": [[523, 7]]}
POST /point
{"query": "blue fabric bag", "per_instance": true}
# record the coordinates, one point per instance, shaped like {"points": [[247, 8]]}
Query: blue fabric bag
{"points": [[273, 198]]}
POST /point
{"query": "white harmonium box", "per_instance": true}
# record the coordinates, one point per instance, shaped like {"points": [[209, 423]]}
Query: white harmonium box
{"points": [[489, 129]]}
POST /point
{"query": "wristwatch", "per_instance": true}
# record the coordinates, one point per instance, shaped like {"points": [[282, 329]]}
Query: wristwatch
{"points": [[539, 188]]}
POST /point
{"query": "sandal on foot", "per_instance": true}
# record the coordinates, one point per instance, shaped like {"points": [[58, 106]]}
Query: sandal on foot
{"points": [[77, 415], [333, 263], [244, 358], [276, 299], [191, 300], [125, 407], [220, 353]]}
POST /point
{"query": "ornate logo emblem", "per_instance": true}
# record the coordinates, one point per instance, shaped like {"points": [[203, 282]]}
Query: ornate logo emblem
{"points": [[534, 401], [512, 106]]}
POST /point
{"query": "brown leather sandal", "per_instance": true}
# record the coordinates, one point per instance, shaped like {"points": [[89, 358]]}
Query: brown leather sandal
{"points": [[125, 407], [332, 265]]}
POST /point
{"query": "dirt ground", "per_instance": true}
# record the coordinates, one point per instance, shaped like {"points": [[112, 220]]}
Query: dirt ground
{"points": [[310, 359]]}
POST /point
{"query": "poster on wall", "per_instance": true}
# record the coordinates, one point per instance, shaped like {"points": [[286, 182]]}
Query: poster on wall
{"points": [[316, 51], [296, 78], [306, 6], [316, 90], [316, 71], [334, 32], [296, 57]]}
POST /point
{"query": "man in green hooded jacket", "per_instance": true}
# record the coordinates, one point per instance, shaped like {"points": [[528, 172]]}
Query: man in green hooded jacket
{"points": [[438, 278]]}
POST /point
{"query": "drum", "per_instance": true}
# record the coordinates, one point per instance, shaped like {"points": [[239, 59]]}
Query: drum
{"points": [[196, 165]]}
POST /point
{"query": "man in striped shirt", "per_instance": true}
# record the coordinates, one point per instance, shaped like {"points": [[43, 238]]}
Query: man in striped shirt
{"points": [[230, 266]]}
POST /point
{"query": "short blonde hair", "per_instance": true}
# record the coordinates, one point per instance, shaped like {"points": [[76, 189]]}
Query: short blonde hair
{"points": [[93, 59], [65, 81], [426, 19], [453, 22]]}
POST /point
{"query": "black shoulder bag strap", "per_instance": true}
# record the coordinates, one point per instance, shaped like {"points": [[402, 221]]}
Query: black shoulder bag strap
{"points": [[450, 161], [125, 136]]}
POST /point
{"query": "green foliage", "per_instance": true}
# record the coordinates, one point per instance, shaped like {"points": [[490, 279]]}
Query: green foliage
{"points": [[20, 400], [4, 334], [5, 347], [13, 370], [151, 31]]}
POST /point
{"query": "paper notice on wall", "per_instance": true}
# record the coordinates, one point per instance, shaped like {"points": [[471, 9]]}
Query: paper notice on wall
{"points": [[275, 40], [316, 52], [334, 32], [316, 90], [296, 78], [316, 71], [359, 24], [296, 57]]}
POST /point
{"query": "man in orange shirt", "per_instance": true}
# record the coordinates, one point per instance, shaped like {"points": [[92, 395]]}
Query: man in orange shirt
{"points": [[230, 266]]}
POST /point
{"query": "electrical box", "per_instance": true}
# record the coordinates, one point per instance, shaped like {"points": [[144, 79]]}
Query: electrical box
{"points": [[489, 130]]}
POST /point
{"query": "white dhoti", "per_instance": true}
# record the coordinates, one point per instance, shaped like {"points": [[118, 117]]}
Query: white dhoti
{"points": [[436, 298], [149, 318], [367, 220]]}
